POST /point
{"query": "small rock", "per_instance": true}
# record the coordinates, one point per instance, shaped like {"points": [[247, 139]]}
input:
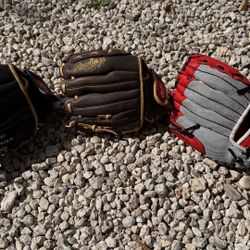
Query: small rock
{"points": [[232, 193], [67, 40], [163, 229], [28, 219], [64, 225], [96, 183], [213, 165], [161, 189], [199, 242], [49, 181], [230, 236], [245, 61], [46, 61], [105, 159], [128, 221], [129, 158], [25, 239], [39, 230], [218, 242], [111, 242], [80, 180], [44, 204], [133, 16], [190, 246], [235, 175], [60, 158], [176, 245], [3, 243], [109, 167], [89, 193], [19, 188], [244, 182], [40, 166], [198, 185], [8, 201], [67, 49], [107, 41], [247, 214]]}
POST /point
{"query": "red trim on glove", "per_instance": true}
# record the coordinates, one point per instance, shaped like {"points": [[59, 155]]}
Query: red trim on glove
{"points": [[246, 142], [197, 59], [196, 144]]}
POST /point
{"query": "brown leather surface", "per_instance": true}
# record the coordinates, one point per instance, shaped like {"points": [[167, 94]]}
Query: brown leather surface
{"points": [[109, 90]]}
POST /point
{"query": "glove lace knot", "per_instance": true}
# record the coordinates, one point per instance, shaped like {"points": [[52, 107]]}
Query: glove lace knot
{"points": [[187, 131]]}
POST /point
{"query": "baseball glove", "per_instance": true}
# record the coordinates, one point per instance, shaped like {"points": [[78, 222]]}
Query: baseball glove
{"points": [[25, 102], [212, 110], [111, 91]]}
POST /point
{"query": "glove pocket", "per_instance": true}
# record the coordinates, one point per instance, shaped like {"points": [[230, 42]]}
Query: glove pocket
{"points": [[121, 122]]}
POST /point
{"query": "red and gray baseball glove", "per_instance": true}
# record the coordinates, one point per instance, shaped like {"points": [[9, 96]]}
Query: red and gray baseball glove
{"points": [[212, 110]]}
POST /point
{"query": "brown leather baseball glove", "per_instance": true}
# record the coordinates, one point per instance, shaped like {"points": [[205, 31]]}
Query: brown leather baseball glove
{"points": [[111, 91]]}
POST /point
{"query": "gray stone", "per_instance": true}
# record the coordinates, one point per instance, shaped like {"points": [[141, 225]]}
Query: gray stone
{"points": [[105, 159], [60, 158], [40, 166], [244, 182], [46, 61], [232, 193], [161, 189], [197, 232], [96, 182], [199, 242], [8, 201], [129, 158], [198, 185], [111, 242], [67, 49], [218, 242], [247, 213], [230, 236], [28, 220], [26, 239], [3, 243], [176, 245], [107, 42], [44, 204], [235, 175], [39, 230], [109, 167], [80, 180], [128, 221], [162, 228], [133, 16]]}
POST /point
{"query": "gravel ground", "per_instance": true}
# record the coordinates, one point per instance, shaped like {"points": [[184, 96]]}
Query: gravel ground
{"points": [[146, 191]]}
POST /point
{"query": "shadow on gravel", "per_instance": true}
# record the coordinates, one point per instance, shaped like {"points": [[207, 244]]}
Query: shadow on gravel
{"points": [[42, 149], [50, 140]]}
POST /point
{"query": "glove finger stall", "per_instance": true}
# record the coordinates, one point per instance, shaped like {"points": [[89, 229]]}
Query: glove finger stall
{"points": [[99, 66], [114, 81]]}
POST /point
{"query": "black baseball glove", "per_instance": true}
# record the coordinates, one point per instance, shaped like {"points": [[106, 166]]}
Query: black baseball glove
{"points": [[25, 102]]}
